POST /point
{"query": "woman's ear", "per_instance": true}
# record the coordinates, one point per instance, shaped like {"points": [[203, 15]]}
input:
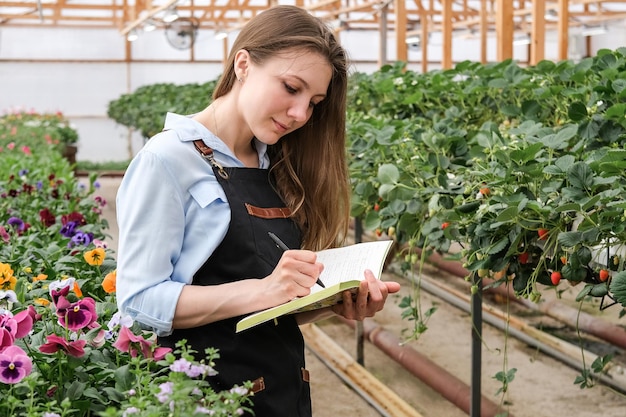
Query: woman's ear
{"points": [[242, 63]]}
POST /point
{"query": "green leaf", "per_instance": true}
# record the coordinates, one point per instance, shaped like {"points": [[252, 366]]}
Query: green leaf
{"points": [[619, 85], [570, 239], [566, 133], [507, 215], [498, 246], [371, 221], [616, 111], [584, 292], [577, 111], [388, 174], [618, 287], [567, 207], [580, 176], [75, 390]]}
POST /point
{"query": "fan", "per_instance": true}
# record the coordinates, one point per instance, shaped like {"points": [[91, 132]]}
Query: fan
{"points": [[181, 33]]}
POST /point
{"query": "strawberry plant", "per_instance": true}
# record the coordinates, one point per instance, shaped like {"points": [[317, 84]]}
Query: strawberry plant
{"points": [[522, 168]]}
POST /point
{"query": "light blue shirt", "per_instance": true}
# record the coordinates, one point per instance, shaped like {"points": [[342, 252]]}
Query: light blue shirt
{"points": [[172, 214]]}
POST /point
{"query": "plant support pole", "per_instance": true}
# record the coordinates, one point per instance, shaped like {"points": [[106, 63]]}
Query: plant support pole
{"points": [[360, 355], [477, 335]]}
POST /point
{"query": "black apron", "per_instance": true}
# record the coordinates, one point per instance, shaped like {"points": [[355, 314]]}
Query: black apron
{"points": [[271, 354]]}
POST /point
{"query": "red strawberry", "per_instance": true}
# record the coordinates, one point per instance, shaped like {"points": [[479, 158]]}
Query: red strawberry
{"points": [[543, 234], [523, 258], [604, 275], [444, 225], [555, 277]]}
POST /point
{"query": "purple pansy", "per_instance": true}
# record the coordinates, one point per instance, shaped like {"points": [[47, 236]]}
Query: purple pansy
{"points": [[17, 223], [14, 365], [68, 229]]}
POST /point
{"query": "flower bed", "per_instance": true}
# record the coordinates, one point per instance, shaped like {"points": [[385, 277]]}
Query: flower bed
{"points": [[64, 348]]}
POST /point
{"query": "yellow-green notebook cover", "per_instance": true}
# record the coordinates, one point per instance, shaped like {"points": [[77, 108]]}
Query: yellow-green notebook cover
{"points": [[343, 270]]}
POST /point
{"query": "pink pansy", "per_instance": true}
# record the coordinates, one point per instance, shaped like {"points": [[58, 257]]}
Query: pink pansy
{"points": [[4, 235], [128, 342], [11, 146], [14, 365], [26, 150], [6, 339], [8, 329], [25, 320], [78, 315], [56, 343]]}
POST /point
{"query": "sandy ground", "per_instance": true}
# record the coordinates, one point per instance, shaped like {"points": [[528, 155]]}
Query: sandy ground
{"points": [[543, 386]]}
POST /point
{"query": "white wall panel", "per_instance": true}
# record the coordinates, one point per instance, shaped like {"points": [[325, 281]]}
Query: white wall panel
{"points": [[60, 43], [143, 73], [73, 88], [102, 140]]}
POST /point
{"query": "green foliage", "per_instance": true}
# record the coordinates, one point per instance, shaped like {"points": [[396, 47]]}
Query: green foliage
{"points": [[145, 108], [486, 156]]}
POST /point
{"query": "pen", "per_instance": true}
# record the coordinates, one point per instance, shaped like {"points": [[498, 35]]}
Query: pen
{"points": [[282, 246]]}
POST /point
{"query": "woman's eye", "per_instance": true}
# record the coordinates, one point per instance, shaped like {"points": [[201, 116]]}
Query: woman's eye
{"points": [[290, 89]]}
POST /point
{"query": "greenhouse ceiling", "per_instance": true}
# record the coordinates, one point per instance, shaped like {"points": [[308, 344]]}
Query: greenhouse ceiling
{"points": [[229, 15]]}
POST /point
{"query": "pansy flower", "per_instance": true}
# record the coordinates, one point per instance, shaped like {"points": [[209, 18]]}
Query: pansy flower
{"points": [[95, 257], [7, 279], [17, 223], [68, 229], [78, 315], [128, 342], [6, 237], [55, 343], [109, 282], [59, 289], [14, 365], [80, 239], [75, 217], [46, 217]]}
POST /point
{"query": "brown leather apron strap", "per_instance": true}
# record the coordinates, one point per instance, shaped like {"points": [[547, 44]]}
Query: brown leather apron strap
{"points": [[305, 375], [258, 385], [268, 213]]}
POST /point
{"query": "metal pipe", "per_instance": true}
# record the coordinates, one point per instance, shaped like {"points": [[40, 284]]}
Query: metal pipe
{"points": [[449, 386]]}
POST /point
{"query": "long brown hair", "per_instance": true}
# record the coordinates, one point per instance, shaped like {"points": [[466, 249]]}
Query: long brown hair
{"points": [[309, 164]]}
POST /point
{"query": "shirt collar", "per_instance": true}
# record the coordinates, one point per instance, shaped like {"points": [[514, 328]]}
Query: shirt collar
{"points": [[189, 130]]}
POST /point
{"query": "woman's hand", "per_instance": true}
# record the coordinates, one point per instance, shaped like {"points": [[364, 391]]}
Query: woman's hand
{"points": [[369, 300], [294, 275]]}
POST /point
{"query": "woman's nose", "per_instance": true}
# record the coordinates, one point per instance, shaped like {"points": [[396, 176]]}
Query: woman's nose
{"points": [[300, 111]]}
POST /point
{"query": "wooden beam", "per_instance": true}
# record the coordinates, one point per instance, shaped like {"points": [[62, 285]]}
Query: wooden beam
{"points": [[424, 41], [484, 27], [504, 29], [402, 53], [563, 28], [446, 61], [538, 32]]}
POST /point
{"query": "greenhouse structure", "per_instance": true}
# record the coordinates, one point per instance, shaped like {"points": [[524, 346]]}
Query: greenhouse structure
{"points": [[486, 139]]}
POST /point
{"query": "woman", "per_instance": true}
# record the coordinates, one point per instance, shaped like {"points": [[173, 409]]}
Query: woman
{"points": [[197, 203]]}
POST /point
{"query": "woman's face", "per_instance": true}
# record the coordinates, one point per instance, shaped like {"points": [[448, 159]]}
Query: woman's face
{"points": [[279, 96]]}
